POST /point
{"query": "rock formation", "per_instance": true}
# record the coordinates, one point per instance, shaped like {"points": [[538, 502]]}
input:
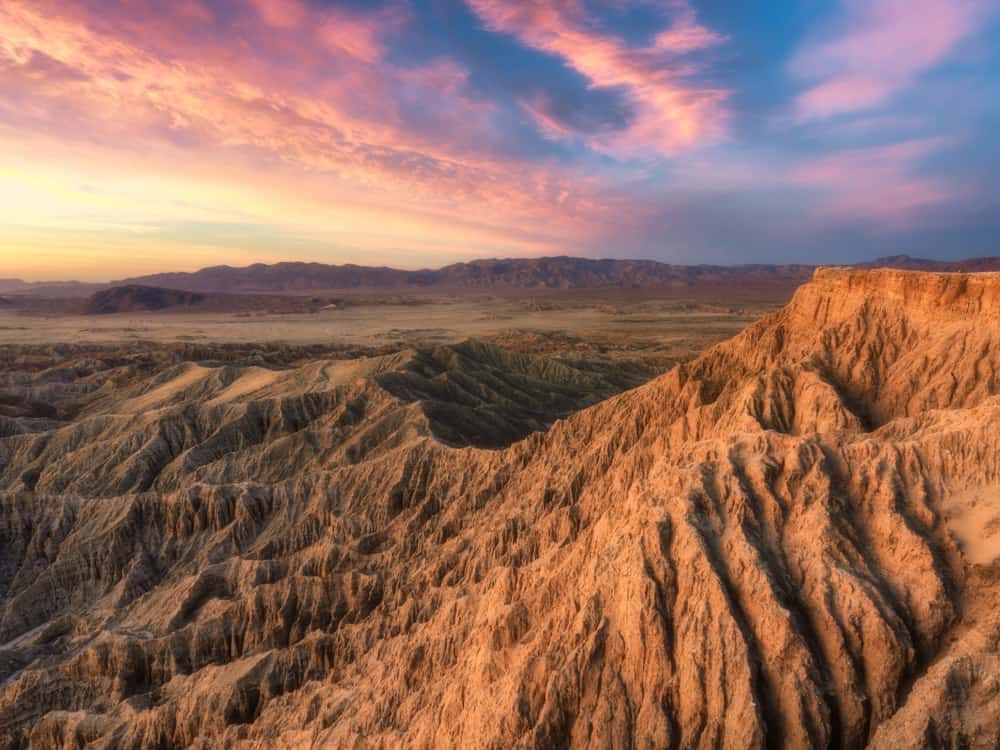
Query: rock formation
{"points": [[135, 298], [791, 541]]}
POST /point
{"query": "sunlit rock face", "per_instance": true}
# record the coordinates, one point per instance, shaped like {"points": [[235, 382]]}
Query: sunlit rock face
{"points": [[791, 541]]}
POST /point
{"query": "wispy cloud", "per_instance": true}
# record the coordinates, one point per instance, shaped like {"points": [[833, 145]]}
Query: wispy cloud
{"points": [[522, 127], [881, 185], [281, 14], [878, 49], [314, 94], [671, 110]]}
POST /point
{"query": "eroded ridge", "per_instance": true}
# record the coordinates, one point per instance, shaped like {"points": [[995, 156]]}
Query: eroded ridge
{"points": [[788, 542]]}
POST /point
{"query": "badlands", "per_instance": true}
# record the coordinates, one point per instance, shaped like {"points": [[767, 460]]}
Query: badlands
{"points": [[790, 540]]}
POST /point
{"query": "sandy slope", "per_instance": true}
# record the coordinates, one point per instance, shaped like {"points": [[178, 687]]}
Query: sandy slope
{"points": [[784, 543]]}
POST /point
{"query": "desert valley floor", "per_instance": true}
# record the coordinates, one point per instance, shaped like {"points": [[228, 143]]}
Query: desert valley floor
{"points": [[585, 520]]}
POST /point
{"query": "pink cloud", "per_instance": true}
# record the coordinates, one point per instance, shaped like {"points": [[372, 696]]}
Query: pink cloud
{"points": [[880, 184], [356, 39], [880, 47], [842, 94], [671, 111], [318, 101], [538, 107], [194, 10], [359, 35], [281, 14]]}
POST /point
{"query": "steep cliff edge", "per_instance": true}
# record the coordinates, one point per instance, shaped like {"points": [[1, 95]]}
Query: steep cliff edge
{"points": [[788, 542]]}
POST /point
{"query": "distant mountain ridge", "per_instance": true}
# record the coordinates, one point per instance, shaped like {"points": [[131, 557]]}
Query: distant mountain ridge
{"points": [[526, 273], [561, 272]]}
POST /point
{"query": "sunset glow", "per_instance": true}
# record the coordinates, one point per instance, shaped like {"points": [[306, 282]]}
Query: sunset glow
{"points": [[140, 136]]}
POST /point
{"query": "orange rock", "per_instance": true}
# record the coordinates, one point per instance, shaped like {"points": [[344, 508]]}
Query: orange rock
{"points": [[769, 546]]}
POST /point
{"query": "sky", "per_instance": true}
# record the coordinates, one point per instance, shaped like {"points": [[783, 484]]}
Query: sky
{"points": [[139, 136]]}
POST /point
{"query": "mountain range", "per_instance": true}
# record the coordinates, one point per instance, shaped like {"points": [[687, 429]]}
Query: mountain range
{"points": [[519, 273]]}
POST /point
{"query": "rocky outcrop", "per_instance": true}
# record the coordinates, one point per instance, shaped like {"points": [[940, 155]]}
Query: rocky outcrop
{"points": [[134, 298], [787, 542]]}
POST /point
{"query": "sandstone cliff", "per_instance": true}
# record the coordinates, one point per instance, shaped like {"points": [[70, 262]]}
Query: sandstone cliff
{"points": [[792, 541]]}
